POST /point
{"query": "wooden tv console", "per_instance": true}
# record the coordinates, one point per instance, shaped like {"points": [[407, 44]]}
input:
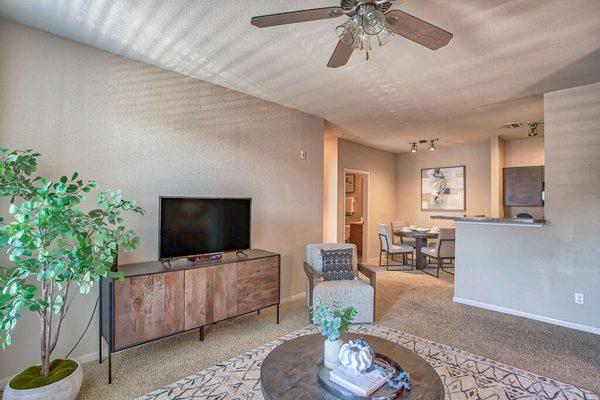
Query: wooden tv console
{"points": [[154, 302]]}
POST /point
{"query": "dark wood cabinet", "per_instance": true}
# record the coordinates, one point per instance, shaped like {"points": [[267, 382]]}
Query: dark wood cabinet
{"points": [[154, 302], [257, 284], [523, 186], [147, 307], [356, 236]]}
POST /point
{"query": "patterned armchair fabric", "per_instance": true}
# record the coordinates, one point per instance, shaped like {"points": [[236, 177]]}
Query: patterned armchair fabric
{"points": [[357, 292], [337, 265]]}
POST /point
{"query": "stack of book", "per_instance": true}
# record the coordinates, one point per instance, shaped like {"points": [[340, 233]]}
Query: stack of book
{"points": [[360, 384]]}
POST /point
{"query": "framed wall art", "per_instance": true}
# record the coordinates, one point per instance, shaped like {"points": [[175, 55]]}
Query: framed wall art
{"points": [[443, 189]]}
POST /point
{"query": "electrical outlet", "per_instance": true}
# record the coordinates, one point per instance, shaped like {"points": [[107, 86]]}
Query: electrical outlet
{"points": [[579, 298]]}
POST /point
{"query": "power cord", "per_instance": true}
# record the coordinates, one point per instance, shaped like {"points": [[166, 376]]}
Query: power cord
{"points": [[86, 328]]}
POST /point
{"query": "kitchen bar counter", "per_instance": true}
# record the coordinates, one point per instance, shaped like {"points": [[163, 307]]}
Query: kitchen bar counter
{"points": [[495, 221]]}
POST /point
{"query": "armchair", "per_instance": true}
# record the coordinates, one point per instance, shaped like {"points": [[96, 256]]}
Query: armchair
{"points": [[357, 292]]}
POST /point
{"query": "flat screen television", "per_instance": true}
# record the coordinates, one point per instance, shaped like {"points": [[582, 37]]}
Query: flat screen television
{"points": [[191, 226]]}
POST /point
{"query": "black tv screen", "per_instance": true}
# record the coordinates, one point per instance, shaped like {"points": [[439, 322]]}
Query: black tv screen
{"points": [[195, 226]]}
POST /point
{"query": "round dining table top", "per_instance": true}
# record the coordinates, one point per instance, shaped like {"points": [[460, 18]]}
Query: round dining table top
{"points": [[417, 234]]}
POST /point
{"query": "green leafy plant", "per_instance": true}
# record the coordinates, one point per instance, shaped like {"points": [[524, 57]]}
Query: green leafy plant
{"points": [[333, 320], [54, 245]]}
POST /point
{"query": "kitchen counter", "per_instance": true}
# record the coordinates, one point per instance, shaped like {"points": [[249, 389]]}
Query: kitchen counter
{"points": [[536, 223]]}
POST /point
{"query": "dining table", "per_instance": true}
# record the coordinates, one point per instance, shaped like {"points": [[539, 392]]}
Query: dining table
{"points": [[421, 238]]}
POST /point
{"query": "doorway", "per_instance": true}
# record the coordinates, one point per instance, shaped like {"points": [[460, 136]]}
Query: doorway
{"points": [[356, 206]]}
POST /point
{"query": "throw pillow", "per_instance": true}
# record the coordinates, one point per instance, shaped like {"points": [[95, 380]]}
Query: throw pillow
{"points": [[337, 265]]}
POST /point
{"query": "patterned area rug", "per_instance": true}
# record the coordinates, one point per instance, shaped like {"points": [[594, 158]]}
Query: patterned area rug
{"points": [[465, 376]]}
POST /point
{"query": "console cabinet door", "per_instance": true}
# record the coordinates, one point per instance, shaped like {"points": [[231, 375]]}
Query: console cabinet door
{"points": [[198, 294], [148, 307], [224, 292], [257, 284], [210, 294]]}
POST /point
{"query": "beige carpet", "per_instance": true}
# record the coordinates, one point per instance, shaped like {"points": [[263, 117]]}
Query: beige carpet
{"points": [[415, 303]]}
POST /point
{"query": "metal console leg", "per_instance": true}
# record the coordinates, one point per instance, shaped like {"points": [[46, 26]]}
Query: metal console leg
{"points": [[109, 367]]}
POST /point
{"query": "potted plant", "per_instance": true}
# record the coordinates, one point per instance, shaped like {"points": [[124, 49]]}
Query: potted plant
{"points": [[333, 321], [56, 248]]}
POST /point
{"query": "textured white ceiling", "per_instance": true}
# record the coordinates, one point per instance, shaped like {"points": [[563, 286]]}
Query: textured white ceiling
{"points": [[504, 55]]}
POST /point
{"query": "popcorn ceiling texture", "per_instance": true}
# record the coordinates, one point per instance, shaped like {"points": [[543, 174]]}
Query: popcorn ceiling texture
{"points": [[504, 55], [153, 132]]}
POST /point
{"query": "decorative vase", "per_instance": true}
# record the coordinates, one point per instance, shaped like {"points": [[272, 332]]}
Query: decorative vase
{"points": [[64, 389], [355, 356], [330, 353]]}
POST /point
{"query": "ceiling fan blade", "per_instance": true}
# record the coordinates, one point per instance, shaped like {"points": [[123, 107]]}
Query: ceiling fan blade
{"points": [[417, 30], [342, 52], [293, 17]]}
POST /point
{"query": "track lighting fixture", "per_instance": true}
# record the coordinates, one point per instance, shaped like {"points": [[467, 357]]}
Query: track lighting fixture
{"points": [[533, 129], [432, 147]]}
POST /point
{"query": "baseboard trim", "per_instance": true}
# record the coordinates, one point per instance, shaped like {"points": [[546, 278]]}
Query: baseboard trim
{"points": [[293, 298], [541, 318]]}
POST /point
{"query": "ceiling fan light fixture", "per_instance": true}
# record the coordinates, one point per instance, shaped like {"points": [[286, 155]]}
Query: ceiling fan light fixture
{"points": [[366, 18], [384, 36], [373, 21]]}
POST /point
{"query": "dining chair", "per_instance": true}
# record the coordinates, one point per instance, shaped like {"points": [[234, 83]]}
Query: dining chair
{"points": [[443, 250], [390, 249]]}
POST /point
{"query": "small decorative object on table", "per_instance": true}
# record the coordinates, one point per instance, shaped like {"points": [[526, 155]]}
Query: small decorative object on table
{"points": [[364, 374], [355, 356], [333, 321], [395, 376]]}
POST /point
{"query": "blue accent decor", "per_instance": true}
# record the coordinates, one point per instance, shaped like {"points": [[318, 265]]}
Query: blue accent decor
{"points": [[395, 377]]}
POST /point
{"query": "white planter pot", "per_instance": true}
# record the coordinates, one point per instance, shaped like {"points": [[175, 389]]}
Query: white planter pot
{"points": [[65, 389], [330, 353]]}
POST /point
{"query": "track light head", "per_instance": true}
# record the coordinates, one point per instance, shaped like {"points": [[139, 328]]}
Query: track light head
{"points": [[432, 145], [413, 147], [532, 129]]}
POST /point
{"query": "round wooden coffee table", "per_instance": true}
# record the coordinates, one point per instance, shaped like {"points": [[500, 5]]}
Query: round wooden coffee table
{"points": [[289, 371]]}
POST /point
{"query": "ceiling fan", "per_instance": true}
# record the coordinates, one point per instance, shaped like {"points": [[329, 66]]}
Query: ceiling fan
{"points": [[369, 21]]}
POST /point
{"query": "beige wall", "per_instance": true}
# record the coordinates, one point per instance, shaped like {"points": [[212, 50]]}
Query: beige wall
{"points": [[152, 132], [330, 189], [475, 157], [497, 164], [535, 272], [525, 152], [381, 169]]}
